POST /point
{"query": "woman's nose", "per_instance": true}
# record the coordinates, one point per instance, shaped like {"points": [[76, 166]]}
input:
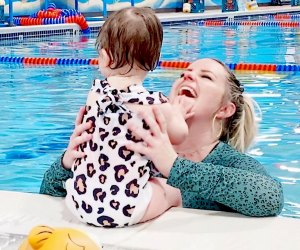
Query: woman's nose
{"points": [[188, 75]]}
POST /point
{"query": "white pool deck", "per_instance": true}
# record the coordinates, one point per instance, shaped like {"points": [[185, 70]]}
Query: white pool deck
{"points": [[176, 229]]}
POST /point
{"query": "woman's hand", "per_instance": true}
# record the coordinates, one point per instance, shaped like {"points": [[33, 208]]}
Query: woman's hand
{"points": [[156, 144], [77, 138]]}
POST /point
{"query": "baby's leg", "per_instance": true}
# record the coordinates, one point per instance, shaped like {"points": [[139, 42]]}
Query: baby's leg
{"points": [[163, 197]]}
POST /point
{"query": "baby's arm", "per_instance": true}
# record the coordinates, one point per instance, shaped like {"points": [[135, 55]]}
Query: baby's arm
{"points": [[176, 126], [175, 116]]}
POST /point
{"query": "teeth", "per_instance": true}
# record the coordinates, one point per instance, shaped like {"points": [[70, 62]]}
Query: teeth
{"points": [[185, 89]]}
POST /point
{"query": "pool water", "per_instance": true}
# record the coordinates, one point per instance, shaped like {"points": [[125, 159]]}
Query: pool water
{"points": [[39, 104]]}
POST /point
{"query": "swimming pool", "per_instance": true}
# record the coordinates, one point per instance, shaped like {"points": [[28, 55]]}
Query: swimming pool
{"points": [[39, 104]]}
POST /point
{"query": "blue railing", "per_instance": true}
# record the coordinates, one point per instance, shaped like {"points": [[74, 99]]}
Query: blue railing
{"points": [[46, 3], [11, 13], [105, 14]]}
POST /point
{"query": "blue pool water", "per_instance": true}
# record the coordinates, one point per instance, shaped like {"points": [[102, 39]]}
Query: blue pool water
{"points": [[39, 104]]}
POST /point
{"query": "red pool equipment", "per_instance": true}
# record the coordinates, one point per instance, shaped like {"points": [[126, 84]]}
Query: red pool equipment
{"points": [[54, 16]]}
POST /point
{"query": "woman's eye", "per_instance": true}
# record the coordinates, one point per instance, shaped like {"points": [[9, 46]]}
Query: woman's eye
{"points": [[207, 77]]}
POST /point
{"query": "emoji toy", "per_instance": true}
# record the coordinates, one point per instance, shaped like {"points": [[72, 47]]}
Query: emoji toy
{"points": [[47, 238]]}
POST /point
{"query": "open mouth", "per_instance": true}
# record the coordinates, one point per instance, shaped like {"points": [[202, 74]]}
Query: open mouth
{"points": [[187, 91]]}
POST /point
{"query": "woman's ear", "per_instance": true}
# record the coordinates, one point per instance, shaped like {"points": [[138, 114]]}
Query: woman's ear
{"points": [[104, 59], [226, 111]]}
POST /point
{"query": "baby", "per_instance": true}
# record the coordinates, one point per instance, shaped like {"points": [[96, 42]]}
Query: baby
{"points": [[113, 186]]}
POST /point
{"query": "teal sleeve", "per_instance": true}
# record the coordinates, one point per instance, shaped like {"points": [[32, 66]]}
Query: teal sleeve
{"points": [[54, 179], [248, 190]]}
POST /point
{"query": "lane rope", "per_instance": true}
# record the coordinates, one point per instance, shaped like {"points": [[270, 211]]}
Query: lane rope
{"points": [[37, 61], [248, 23]]}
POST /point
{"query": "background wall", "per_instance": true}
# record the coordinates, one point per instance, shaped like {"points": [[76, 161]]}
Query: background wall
{"points": [[27, 7]]}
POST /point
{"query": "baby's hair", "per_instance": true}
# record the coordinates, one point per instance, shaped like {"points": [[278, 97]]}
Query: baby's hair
{"points": [[132, 36], [240, 129]]}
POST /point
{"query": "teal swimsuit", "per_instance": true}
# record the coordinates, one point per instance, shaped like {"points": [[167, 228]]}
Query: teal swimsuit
{"points": [[226, 180]]}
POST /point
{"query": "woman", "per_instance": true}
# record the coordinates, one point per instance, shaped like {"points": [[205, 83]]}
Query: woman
{"points": [[209, 167]]}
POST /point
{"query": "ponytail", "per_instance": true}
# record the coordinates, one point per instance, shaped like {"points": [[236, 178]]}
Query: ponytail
{"points": [[240, 129], [244, 128]]}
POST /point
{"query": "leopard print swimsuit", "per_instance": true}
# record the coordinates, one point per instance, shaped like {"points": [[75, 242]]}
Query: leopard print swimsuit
{"points": [[109, 185]]}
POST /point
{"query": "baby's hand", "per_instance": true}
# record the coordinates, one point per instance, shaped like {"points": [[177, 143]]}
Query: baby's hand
{"points": [[185, 105]]}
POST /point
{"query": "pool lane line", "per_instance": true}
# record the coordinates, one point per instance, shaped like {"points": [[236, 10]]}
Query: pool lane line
{"points": [[282, 24], [284, 16], [38, 61]]}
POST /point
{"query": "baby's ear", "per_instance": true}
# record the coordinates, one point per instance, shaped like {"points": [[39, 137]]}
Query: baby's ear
{"points": [[226, 111], [104, 59]]}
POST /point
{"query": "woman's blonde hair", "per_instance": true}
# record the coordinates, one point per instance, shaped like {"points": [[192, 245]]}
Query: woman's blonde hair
{"points": [[240, 129]]}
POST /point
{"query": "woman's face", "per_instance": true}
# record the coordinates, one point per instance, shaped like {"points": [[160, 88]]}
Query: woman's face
{"points": [[203, 83]]}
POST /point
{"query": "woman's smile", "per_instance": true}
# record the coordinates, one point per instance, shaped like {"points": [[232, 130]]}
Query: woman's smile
{"points": [[187, 91]]}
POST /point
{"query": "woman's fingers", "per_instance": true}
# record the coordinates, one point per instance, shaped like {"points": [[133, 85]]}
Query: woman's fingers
{"points": [[138, 147], [140, 132], [72, 151], [157, 126], [76, 141], [77, 154], [79, 129], [79, 116], [155, 143], [151, 122], [160, 119]]}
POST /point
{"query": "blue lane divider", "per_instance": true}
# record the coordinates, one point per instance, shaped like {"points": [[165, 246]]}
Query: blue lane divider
{"points": [[283, 23], [164, 64]]}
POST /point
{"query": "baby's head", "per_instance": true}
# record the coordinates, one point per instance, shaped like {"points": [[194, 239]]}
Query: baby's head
{"points": [[132, 38]]}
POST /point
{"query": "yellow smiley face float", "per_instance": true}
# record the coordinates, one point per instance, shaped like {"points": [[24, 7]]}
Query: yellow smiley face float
{"points": [[47, 238]]}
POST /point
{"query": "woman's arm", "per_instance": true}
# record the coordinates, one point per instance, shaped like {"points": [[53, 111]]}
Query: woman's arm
{"points": [[54, 179], [252, 193], [232, 179]]}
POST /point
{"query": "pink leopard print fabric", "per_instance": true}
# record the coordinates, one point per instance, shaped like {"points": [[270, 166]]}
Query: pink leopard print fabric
{"points": [[109, 181]]}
